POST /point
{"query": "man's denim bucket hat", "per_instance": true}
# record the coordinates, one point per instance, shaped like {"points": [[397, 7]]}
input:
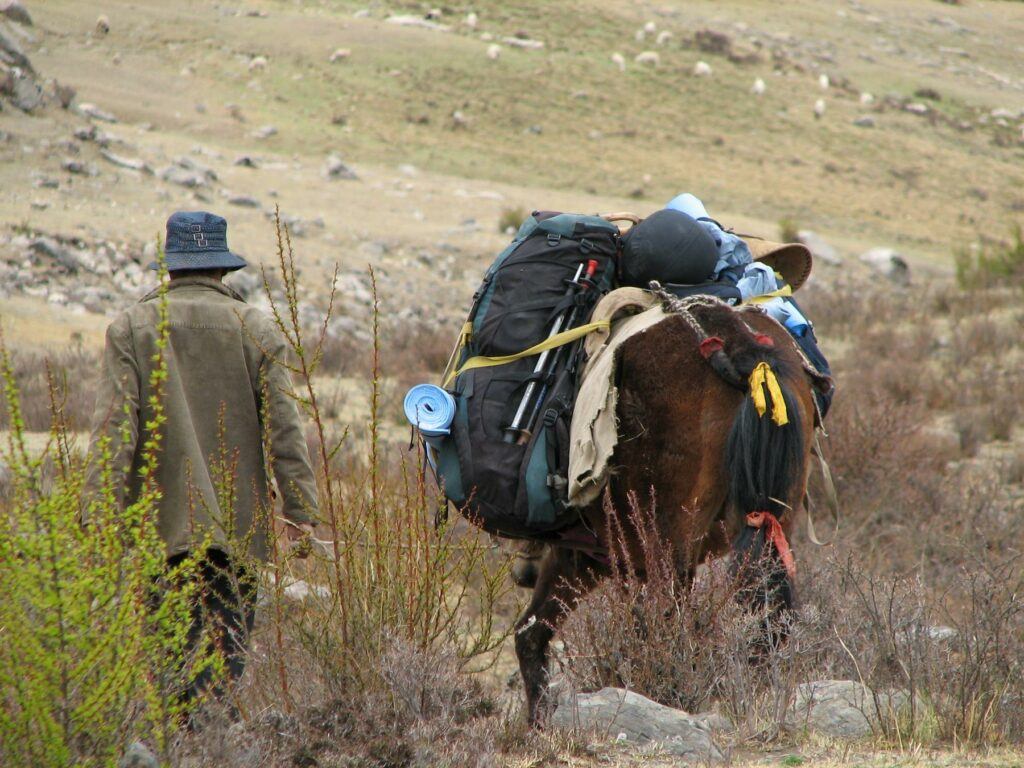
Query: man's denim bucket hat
{"points": [[198, 240]]}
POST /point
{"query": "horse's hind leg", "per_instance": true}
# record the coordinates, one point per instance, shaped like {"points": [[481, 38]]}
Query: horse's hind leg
{"points": [[564, 578]]}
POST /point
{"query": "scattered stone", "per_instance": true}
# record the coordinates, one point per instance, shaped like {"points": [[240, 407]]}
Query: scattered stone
{"points": [[888, 263], [702, 69], [865, 121], [493, 51], [39, 205], [131, 163], [335, 168], [619, 61], [459, 120], [12, 54], [928, 93], [78, 168], [524, 43], [404, 20], [49, 248], [663, 37], [27, 95], [15, 11], [102, 25], [183, 177], [819, 247], [236, 112], [244, 201], [264, 132], [95, 113], [712, 41], [257, 63], [647, 58], [917, 108], [246, 161], [638, 720], [65, 94], [866, 99], [340, 54], [138, 756], [843, 708]]}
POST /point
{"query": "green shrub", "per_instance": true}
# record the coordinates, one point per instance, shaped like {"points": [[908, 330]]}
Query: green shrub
{"points": [[88, 656], [990, 264], [511, 218]]}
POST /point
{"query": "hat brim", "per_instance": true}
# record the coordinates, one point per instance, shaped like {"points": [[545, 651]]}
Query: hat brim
{"points": [[202, 260], [791, 260]]}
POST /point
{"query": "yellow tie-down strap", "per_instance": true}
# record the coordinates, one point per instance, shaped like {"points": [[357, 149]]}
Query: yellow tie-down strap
{"points": [[783, 291], [558, 340]]}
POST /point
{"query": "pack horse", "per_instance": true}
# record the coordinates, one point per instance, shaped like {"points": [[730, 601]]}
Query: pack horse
{"points": [[714, 416]]}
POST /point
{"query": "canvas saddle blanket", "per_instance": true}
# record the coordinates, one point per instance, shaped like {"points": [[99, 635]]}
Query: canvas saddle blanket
{"points": [[594, 431]]}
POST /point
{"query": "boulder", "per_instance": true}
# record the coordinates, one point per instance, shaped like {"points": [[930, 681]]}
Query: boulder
{"points": [[26, 93], [243, 201], [403, 20], [264, 132], [15, 11], [888, 263], [844, 708], [819, 247], [335, 168], [131, 163], [636, 719], [138, 756], [95, 113], [183, 177], [864, 121], [523, 42], [11, 53]]}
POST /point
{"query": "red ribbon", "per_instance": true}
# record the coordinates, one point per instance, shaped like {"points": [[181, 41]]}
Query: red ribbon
{"points": [[710, 345], [773, 532]]}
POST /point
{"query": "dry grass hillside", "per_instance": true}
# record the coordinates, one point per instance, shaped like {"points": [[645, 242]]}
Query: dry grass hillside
{"points": [[406, 139]]}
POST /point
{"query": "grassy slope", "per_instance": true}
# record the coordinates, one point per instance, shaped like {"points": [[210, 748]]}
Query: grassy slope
{"points": [[905, 183]]}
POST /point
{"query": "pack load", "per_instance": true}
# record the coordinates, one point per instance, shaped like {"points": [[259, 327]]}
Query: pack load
{"points": [[497, 430], [505, 458]]}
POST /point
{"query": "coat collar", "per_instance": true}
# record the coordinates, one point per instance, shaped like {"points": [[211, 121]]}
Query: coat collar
{"points": [[195, 282]]}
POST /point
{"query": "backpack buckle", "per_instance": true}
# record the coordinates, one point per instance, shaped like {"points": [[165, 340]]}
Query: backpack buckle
{"points": [[554, 240], [550, 417], [586, 246]]}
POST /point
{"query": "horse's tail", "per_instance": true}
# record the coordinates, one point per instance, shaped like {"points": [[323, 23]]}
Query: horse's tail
{"points": [[764, 459]]}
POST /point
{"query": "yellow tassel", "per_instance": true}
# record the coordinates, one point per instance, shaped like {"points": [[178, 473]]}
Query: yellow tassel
{"points": [[762, 376]]}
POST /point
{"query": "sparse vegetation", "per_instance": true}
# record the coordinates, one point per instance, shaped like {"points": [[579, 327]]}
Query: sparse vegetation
{"points": [[989, 263]]}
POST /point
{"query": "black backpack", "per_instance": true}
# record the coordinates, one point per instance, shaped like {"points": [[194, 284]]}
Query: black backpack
{"points": [[508, 477]]}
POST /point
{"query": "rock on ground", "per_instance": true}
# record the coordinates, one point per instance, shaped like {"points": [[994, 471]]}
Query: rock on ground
{"points": [[888, 263], [640, 720], [15, 11], [138, 756], [335, 168], [819, 247], [844, 708]]}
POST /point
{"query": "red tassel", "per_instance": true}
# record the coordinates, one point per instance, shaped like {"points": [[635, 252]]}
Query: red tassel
{"points": [[774, 534], [710, 345]]}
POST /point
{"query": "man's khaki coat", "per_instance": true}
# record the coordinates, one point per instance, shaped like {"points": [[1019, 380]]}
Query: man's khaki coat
{"points": [[224, 394]]}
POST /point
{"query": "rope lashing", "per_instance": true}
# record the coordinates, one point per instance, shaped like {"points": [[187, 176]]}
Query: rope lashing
{"points": [[773, 533], [763, 376]]}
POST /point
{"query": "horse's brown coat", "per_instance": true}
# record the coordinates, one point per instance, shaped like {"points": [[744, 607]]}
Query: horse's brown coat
{"points": [[675, 415]]}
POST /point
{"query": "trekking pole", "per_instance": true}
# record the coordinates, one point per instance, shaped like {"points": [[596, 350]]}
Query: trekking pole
{"points": [[513, 429], [527, 429]]}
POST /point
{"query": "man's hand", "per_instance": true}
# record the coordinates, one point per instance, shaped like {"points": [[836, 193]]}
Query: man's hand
{"points": [[300, 538]]}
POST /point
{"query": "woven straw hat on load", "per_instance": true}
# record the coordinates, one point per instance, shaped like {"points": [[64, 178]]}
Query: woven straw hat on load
{"points": [[791, 260]]}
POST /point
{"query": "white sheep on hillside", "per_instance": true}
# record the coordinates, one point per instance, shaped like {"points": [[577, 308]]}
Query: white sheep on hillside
{"points": [[619, 61], [702, 69]]}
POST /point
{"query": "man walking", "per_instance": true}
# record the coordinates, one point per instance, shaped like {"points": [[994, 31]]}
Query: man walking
{"points": [[225, 391]]}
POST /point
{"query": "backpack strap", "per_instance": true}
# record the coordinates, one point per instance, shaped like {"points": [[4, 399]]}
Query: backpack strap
{"points": [[558, 340]]}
